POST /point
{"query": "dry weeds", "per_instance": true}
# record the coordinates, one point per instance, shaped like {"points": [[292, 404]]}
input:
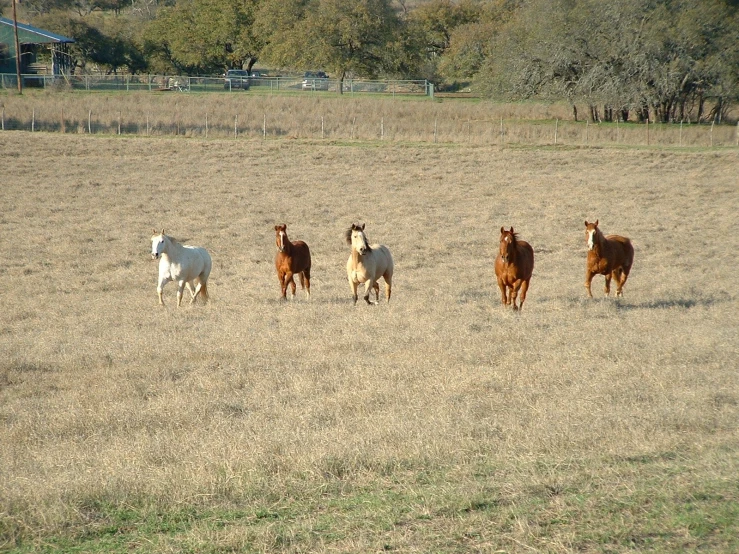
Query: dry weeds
{"points": [[440, 422]]}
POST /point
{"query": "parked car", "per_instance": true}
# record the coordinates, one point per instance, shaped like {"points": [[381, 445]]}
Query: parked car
{"points": [[315, 80], [236, 78]]}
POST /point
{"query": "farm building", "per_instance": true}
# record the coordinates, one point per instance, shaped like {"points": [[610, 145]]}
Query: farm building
{"points": [[42, 52]]}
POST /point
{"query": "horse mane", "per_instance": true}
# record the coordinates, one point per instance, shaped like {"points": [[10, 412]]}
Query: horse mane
{"points": [[348, 235]]}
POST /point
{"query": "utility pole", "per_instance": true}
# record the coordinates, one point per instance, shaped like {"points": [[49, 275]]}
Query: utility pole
{"points": [[17, 50]]}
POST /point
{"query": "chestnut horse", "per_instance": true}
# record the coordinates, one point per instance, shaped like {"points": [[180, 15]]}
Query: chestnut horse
{"points": [[513, 267], [611, 255], [366, 264], [291, 258]]}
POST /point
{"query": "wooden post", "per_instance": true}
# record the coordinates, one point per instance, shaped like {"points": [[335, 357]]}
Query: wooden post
{"points": [[147, 124], [712, 122], [737, 133], [119, 122], [33, 120], [556, 128], [354, 120], [322, 135], [382, 128], [89, 122], [469, 130], [236, 125], [436, 121], [647, 131], [501, 130], [681, 132], [3, 118], [618, 131], [587, 128], [264, 126], [206, 124]]}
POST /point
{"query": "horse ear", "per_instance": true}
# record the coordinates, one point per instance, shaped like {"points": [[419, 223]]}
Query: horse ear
{"points": [[512, 230], [162, 231], [363, 226], [596, 222], [502, 230], [153, 231], [586, 223]]}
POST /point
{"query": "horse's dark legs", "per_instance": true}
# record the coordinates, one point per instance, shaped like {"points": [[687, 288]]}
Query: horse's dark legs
{"points": [[607, 288], [305, 280], [368, 287], [503, 292], [377, 292], [620, 275], [524, 290]]}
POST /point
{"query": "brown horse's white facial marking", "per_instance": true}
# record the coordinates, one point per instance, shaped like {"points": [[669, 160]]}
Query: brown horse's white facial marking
{"points": [[505, 246], [591, 238], [157, 245], [283, 236]]}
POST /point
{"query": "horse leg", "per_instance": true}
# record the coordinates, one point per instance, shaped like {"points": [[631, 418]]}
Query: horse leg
{"points": [[160, 289], [197, 290], [283, 283], [607, 288], [353, 284], [305, 281], [180, 290], [620, 275], [388, 287], [524, 290], [514, 293], [368, 286], [377, 292], [588, 279], [503, 294], [293, 287], [188, 286]]}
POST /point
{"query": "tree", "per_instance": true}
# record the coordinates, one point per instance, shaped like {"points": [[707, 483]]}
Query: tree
{"points": [[205, 35], [340, 36]]}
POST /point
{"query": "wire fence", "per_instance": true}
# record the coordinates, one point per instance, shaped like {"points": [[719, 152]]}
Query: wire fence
{"points": [[184, 83]]}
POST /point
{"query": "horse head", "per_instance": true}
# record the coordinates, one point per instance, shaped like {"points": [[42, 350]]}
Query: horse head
{"points": [[157, 244], [507, 244], [591, 233], [356, 238], [281, 237]]}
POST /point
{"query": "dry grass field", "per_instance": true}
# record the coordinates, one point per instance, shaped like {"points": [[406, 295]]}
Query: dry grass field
{"points": [[440, 422]]}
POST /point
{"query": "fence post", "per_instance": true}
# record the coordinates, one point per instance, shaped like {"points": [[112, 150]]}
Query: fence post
{"points": [[556, 129], [264, 127], [236, 125], [737, 133], [3, 118], [33, 120], [63, 129], [206, 124], [647, 131], [382, 128], [436, 121], [89, 122], [618, 130], [322, 128], [587, 128], [502, 142], [147, 124], [354, 120], [681, 133], [119, 122], [712, 122]]}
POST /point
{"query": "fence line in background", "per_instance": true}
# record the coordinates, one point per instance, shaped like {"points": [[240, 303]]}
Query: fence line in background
{"points": [[509, 133], [186, 84]]}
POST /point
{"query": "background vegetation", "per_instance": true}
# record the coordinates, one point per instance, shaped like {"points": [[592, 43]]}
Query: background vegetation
{"points": [[439, 423], [624, 59]]}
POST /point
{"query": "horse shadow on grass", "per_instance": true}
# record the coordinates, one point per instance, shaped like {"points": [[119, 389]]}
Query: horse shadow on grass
{"points": [[698, 300]]}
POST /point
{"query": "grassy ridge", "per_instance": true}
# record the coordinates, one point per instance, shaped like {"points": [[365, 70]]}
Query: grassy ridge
{"points": [[440, 422]]}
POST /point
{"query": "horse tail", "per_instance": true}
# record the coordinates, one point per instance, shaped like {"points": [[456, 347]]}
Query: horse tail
{"points": [[204, 291]]}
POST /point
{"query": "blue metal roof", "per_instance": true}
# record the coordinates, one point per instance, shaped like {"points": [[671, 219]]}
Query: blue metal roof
{"points": [[43, 36]]}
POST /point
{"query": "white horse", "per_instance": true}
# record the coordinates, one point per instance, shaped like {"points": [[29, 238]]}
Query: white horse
{"points": [[367, 264], [186, 265]]}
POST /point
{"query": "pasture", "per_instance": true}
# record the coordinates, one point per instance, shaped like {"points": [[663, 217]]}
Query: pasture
{"points": [[441, 422]]}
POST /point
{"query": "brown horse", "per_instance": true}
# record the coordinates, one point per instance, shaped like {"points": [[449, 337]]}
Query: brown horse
{"points": [[611, 255], [291, 258], [513, 267]]}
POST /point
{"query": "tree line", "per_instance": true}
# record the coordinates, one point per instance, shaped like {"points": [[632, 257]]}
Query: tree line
{"points": [[668, 60]]}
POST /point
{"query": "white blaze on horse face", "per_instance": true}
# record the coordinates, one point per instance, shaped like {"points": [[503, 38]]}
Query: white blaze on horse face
{"points": [[282, 241], [591, 239]]}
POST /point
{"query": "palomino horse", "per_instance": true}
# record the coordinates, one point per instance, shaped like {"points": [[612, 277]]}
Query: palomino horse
{"points": [[611, 255], [186, 265], [513, 267], [291, 258], [367, 264]]}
